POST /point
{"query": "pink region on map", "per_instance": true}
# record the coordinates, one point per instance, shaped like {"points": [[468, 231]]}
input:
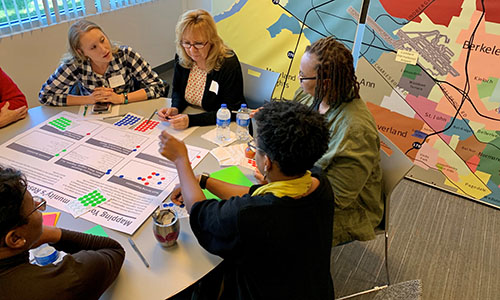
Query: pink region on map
{"points": [[448, 171], [485, 51], [472, 163], [427, 156], [426, 111]]}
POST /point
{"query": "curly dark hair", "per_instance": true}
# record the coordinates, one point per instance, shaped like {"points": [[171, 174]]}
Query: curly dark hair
{"points": [[335, 62], [12, 188], [291, 135]]}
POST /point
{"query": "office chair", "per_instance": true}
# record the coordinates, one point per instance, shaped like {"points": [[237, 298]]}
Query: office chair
{"points": [[258, 85], [395, 165]]}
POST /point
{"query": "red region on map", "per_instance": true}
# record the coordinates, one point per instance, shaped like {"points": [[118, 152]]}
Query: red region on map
{"points": [[491, 9], [440, 12]]}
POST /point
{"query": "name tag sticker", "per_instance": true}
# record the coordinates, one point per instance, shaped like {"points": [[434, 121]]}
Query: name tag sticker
{"points": [[407, 57], [116, 81], [214, 87]]}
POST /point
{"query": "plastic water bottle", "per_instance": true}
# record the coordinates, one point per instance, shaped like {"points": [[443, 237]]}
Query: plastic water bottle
{"points": [[223, 121], [242, 122]]}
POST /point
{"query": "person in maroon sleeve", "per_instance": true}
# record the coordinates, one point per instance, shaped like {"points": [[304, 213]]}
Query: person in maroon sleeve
{"points": [[92, 263], [13, 105]]}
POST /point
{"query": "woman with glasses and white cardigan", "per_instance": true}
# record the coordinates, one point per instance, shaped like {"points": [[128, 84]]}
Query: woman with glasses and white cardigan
{"points": [[206, 74]]}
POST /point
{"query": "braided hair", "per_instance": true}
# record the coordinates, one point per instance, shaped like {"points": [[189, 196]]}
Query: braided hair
{"points": [[336, 79]]}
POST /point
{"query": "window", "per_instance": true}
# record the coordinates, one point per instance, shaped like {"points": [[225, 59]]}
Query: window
{"points": [[24, 15]]}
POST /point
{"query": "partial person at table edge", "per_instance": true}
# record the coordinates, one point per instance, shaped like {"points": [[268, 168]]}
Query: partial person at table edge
{"points": [[207, 73], [91, 265], [97, 70], [13, 105], [275, 238]]}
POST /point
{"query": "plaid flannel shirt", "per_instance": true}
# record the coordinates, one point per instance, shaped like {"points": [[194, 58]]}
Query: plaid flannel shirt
{"points": [[126, 62]]}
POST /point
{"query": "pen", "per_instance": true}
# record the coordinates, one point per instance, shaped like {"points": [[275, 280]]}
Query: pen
{"points": [[85, 110], [249, 111], [151, 116], [138, 252], [111, 117]]}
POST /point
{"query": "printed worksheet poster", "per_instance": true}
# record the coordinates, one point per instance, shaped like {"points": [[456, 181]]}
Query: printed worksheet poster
{"points": [[76, 164]]}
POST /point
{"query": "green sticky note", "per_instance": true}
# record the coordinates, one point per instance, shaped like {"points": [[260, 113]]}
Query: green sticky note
{"points": [[232, 175], [97, 230]]}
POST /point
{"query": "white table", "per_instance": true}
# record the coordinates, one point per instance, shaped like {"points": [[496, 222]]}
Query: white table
{"points": [[171, 270]]}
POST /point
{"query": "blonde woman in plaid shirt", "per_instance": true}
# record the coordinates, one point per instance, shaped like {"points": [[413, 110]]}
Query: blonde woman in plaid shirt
{"points": [[98, 71]]}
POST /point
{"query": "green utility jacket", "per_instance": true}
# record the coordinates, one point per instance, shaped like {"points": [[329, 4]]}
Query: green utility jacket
{"points": [[352, 165]]}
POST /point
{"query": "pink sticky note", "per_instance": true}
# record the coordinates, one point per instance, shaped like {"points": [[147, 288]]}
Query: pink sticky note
{"points": [[50, 219]]}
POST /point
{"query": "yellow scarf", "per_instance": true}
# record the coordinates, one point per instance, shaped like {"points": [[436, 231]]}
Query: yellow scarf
{"points": [[292, 188]]}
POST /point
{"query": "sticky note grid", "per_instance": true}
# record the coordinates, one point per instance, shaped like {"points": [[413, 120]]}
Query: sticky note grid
{"points": [[61, 123], [146, 126], [129, 120], [85, 203]]}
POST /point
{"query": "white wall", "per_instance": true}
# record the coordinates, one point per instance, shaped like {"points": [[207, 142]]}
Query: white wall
{"points": [[29, 58]]}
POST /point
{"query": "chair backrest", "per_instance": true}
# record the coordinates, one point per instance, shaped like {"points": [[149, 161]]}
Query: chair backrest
{"points": [[395, 165], [258, 85]]}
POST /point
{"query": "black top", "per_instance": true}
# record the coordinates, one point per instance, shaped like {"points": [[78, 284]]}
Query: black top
{"points": [[93, 264], [273, 248], [229, 80]]}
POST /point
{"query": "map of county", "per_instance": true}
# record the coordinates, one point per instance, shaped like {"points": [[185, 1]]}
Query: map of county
{"points": [[443, 112]]}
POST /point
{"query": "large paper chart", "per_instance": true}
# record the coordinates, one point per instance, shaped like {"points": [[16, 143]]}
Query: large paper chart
{"points": [[63, 165]]}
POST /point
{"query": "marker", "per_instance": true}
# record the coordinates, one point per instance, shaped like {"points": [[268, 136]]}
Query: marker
{"points": [[85, 110], [138, 252], [151, 116], [111, 117]]}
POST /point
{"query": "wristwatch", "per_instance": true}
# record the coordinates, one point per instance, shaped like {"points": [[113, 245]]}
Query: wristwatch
{"points": [[125, 99], [203, 180]]}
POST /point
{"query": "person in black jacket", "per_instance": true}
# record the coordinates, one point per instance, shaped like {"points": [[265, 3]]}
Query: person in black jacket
{"points": [[92, 263], [275, 238], [206, 74]]}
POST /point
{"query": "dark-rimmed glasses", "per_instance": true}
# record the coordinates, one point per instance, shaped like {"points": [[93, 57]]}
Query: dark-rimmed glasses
{"points": [[196, 45], [253, 147], [306, 78], [40, 204]]}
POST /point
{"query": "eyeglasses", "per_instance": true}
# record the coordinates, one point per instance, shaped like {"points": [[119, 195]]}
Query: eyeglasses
{"points": [[253, 147], [40, 204], [306, 78], [196, 45]]}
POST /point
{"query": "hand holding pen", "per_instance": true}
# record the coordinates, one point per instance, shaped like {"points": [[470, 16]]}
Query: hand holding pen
{"points": [[166, 113], [176, 120]]}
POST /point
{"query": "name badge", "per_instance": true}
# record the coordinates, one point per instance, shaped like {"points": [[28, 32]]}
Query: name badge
{"points": [[116, 81], [214, 87]]}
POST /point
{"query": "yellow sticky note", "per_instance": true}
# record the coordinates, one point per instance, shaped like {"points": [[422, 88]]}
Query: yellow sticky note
{"points": [[407, 57]]}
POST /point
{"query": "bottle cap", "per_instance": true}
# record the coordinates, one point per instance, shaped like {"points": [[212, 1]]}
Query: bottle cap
{"points": [[223, 105], [45, 255], [243, 105]]}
